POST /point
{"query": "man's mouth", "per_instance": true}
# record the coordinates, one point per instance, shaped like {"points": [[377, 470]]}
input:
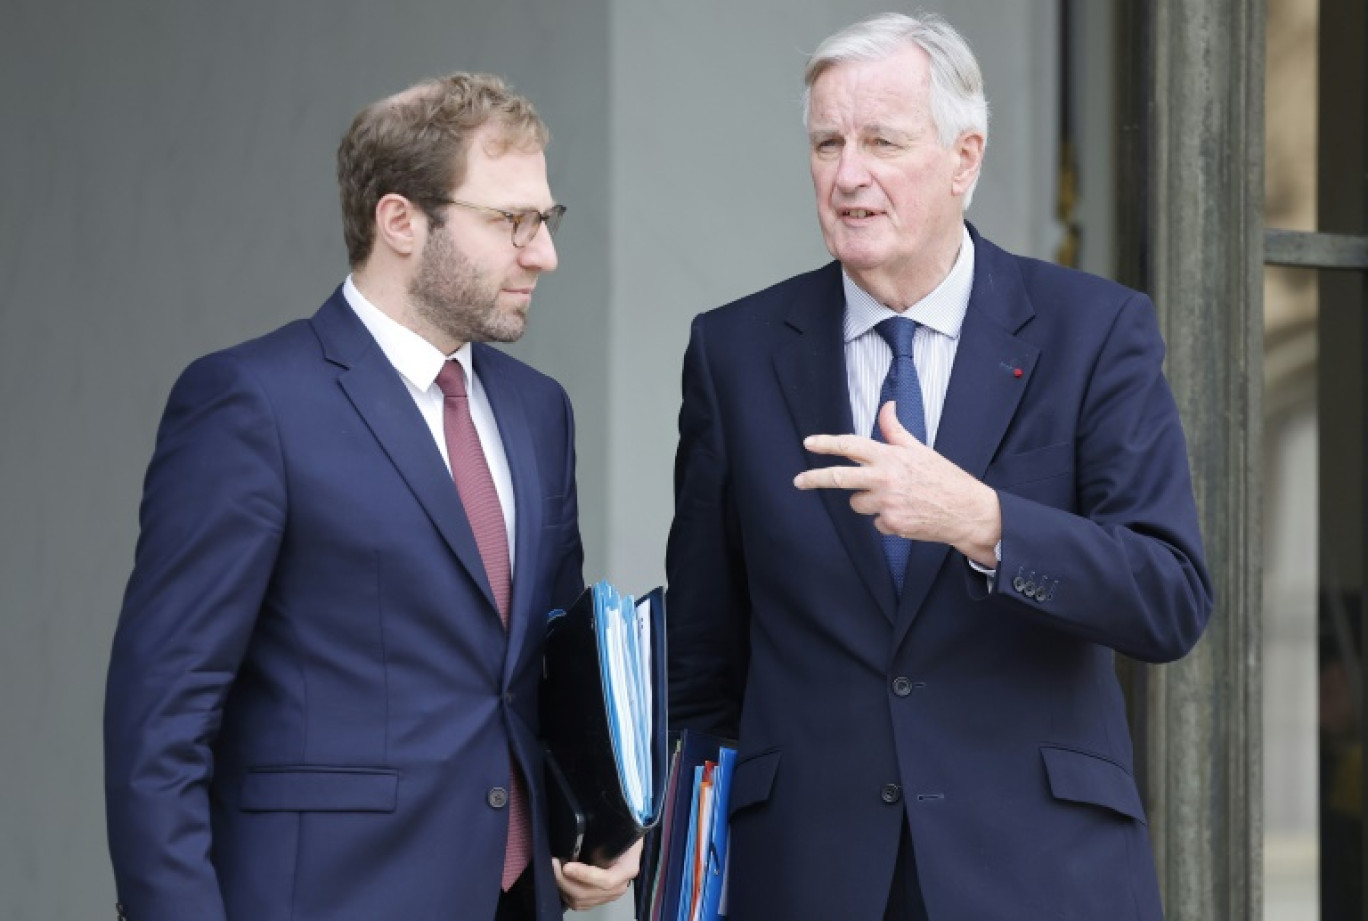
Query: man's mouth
{"points": [[858, 213]]}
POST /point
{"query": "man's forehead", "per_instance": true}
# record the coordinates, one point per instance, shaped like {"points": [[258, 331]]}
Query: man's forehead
{"points": [[892, 112], [870, 126], [518, 173], [494, 139]]}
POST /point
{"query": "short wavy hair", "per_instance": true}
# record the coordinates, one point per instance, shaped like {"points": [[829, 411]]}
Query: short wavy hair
{"points": [[416, 143], [957, 100]]}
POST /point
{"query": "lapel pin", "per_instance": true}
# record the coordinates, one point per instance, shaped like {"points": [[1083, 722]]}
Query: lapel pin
{"points": [[1012, 367]]}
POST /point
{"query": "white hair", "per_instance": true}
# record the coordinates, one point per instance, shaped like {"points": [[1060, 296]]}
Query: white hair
{"points": [[957, 101]]}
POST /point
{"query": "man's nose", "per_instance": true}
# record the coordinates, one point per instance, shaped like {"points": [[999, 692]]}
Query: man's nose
{"points": [[540, 252], [851, 172]]}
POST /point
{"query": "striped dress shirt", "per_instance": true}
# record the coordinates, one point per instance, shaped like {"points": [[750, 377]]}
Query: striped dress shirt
{"points": [[940, 313]]}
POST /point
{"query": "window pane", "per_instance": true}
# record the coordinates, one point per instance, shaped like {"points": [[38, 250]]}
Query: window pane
{"points": [[1291, 513], [1291, 531]]}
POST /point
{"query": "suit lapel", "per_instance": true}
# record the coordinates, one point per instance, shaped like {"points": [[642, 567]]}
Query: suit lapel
{"points": [[984, 394], [384, 403], [516, 434], [812, 374]]}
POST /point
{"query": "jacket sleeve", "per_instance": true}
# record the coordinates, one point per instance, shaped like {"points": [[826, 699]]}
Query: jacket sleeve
{"points": [[1125, 569], [212, 516], [707, 611], [569, 575]]}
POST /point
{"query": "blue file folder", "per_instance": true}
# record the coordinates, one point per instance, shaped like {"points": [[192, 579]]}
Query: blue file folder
{"points": [[667, 887], [603, 713]]}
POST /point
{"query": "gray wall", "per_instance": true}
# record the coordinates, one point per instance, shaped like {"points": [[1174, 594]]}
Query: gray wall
{"points": [[167, 189]]}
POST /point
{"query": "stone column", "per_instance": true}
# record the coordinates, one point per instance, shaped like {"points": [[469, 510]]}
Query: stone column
{"points": [[1192, 236]]}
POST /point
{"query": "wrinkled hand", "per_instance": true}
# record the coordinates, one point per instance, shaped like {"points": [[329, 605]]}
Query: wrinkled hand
{"points": [[584, 886], [909, 489]]}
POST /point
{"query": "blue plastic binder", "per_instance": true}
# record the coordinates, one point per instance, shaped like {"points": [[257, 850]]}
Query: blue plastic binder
{"points": [[603, 713]]}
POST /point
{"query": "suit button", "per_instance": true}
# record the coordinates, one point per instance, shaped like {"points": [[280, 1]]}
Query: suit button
{"points": [[508, 698], [498, 797], [890, 793], [902, 686]]}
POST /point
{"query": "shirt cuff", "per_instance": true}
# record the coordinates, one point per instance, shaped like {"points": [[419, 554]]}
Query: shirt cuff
{"points": [[991, 574]]}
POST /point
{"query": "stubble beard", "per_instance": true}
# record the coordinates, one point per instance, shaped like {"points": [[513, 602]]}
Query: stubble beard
{"points": [[452, 295]]}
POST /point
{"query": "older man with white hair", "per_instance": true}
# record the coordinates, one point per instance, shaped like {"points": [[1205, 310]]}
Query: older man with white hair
{"points": [[923, 494]]}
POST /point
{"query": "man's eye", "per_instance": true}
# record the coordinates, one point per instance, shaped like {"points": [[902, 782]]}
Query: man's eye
{"points": [[829, 144]]}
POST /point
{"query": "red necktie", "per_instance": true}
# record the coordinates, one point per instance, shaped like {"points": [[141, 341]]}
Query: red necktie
{"points": [[470, 470]]}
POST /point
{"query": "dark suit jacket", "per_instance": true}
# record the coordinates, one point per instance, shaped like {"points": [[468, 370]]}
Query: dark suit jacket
{"points": [[311, 698], [991, 719]]}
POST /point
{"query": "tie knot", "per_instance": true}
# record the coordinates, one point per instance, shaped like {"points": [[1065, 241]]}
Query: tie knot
{"points": [[898, 332], [451, 379]]}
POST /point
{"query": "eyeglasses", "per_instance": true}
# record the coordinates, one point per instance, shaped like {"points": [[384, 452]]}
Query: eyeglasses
{"points": [[525, 224]]}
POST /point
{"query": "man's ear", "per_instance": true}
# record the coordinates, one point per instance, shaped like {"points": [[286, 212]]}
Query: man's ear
{"points": [[969, 151], [400, 225]]}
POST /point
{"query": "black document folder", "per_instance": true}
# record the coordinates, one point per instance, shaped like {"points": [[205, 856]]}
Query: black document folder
{"points": [[594, 815]]}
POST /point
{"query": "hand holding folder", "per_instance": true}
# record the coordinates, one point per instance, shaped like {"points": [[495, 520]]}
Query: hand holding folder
{"points": [[603, 722]]}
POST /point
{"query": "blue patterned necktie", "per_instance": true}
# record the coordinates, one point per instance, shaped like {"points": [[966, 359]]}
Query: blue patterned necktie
{"points": [[902, 386]]}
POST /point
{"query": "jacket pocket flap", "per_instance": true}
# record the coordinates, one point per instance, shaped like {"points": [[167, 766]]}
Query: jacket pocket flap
{"points": [[753, 780], [1085, 778], [1031, 466], [320, 789]]}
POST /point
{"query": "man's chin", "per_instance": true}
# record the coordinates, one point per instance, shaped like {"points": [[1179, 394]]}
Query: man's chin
{"points": [[506, 329], [860, 255]]}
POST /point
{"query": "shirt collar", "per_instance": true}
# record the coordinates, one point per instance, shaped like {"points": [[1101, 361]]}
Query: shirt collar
{"points": [[418, 360], [942, 310]]}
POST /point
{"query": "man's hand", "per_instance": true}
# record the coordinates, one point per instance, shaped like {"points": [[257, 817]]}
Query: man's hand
{"points": [[910, 489], [584, 886]]}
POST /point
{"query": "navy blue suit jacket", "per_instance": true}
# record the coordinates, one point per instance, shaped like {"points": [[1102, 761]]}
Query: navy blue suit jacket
{"points": [[311, 699], [992, 719]]}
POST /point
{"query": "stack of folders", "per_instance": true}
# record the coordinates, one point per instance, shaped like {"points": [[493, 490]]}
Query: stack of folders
{"points": [[685, 867], [603, 722]]}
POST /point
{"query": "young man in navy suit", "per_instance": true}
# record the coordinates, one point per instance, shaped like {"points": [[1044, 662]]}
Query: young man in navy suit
{"points": [[922, 495], [322, 696]]}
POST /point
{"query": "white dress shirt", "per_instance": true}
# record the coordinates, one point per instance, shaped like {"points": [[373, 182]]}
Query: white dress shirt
{"points": [[418, 363], [868, 356]]}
